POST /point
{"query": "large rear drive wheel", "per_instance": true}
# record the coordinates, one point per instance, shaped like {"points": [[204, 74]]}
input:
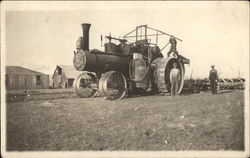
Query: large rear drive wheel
{"points": [[113, 85], [161, 68], [86, 85]]}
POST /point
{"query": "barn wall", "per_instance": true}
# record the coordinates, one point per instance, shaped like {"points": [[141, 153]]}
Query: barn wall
{"points": [[18, 81], [56, 80], [59, 80], [45, 81], [64, 80]]}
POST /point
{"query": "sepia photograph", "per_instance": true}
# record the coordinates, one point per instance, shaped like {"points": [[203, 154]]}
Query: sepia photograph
{"points": [[125, 79]]}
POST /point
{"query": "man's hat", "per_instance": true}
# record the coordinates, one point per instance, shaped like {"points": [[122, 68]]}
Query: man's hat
{"points": [[213, 65], [172, 38]]}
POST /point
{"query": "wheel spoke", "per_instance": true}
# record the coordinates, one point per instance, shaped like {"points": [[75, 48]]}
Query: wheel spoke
{"points": [[121, 83], [119, 79], [110, 84], [112, 79]]}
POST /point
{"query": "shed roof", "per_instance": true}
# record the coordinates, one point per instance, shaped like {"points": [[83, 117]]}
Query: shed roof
{"points": [[18, 70], [69, 71]]}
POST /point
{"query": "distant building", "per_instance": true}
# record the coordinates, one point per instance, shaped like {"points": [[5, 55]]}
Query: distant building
{"points": [[21, 78], [64, 76]]}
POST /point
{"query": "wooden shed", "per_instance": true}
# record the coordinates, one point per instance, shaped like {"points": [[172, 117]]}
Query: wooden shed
{"points": [[64, 76], [21, 78]]}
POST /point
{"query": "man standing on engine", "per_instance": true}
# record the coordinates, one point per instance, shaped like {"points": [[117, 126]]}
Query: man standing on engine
{"points": [[174, 80], [213, 77], [173, 49]]}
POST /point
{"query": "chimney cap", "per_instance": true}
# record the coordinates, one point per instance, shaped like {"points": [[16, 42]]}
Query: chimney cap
{"points": [[86, 24]]}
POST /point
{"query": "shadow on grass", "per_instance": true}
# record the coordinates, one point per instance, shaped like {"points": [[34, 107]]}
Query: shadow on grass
{"points": [[129, 96], [186, 92], [144, 94], [183, 93], [222, 92]]}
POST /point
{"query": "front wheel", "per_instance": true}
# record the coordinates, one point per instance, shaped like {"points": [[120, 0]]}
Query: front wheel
{"points": [[86, 85]]}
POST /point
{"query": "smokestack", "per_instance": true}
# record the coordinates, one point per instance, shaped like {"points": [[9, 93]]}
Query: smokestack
{"points": [[85, 39]]}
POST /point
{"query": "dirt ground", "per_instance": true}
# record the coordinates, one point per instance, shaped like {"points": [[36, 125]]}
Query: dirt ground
{"points": [[190, 122]]}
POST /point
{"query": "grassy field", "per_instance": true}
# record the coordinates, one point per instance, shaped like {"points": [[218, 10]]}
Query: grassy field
{"points": [[191, 122]]}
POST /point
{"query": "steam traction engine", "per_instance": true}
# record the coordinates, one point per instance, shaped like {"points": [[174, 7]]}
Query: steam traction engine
{"points": [[126, 67]]}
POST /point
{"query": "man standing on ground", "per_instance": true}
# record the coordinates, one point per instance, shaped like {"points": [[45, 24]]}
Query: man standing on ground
{"points": [[174, 80], [213, 77]]}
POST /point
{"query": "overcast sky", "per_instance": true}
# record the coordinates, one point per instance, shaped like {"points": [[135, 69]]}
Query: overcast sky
{"points": [[44, 35]]}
